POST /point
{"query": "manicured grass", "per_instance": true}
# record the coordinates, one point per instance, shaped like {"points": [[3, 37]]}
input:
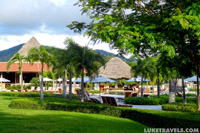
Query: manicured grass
{"points": [[22, 120]]}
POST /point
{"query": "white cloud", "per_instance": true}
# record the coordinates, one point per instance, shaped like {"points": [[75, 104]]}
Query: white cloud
{"points": [[24, 16], [58, 2]]}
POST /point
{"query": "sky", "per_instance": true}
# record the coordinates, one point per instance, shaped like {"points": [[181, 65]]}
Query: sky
{"points": [[46, 20]]}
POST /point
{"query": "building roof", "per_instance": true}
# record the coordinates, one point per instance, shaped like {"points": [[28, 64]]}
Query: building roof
{"points": [[116, 68], [26, 67], [32, 43]]}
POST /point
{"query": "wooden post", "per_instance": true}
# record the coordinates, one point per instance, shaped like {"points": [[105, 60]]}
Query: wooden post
{"points": [[1, 75], [15, 77]]}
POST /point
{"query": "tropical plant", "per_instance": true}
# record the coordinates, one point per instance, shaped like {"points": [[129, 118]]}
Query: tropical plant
{"points": [[34, 82], [43, 57], [146, 27], [18, 58], [145, 68], [83, 59]]}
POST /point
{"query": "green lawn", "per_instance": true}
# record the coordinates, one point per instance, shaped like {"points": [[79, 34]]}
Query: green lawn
{"points": [[21, 120]]}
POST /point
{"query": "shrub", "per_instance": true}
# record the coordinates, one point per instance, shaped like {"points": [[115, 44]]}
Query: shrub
{"points": [[153, 118], [165, 98], [9, 87], [27, 86], [190, 95], [190, 107], [145, 101], [34, 82], [95, 91], [25, 104], [17, 87], [25, 94]]}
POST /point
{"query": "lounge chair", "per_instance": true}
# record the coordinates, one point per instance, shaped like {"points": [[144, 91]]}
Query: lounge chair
{"points": [[134, 95], [112, 101], [90, 98], [128, 94], [95, 100], [179, 94], [104, 100], [146, 95]]}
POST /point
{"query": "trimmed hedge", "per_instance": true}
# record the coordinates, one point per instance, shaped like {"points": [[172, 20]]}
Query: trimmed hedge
{"points": [[151, 118], [25, 104], [145, 101], [25, 94], [153, 100], [180, 107]]}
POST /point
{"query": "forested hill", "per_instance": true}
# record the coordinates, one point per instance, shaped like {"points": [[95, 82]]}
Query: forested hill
{"points": [[5, 55]]}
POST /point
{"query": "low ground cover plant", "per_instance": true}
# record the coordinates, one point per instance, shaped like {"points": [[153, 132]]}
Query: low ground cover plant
{"points": [[25, 94], [153, 100], [151, 118], [189, 107]]}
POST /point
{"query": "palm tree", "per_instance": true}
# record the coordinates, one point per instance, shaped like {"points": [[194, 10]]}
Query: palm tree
{"points": [[145, 68], [43, 57], [17, 58], [83, 58], [64, 66], [61, 69], [91, 61]]}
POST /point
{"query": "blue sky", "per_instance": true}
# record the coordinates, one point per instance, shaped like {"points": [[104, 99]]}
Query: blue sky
{"points": [[44, 19]]}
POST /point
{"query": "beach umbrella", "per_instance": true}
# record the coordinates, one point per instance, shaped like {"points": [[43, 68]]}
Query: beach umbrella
{"points": [[138, 79], [78, 80], [4, 80], [47, 79], [59, 80], [101, 79], [191, 79]]}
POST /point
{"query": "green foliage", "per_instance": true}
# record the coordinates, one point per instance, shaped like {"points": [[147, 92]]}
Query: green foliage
{"points": [[32, 121], [153, 100], [95, 91], [145, 101], [25, 94], [189, 107], [44, 57], [25, 104], [34, 82], [122, 82], [6, 55], [170, 30], [151, 118]]}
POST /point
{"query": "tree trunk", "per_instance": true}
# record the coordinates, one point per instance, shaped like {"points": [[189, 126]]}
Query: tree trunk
{"points": [[70, 84], [184, 98], [142, 87], [175, 82], [158, 86], [41, 84], [64, 87], [198, 97], [82, 85], [21, 81]]}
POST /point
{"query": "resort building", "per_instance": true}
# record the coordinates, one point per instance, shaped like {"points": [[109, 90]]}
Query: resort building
{"points": [[29, 71]]}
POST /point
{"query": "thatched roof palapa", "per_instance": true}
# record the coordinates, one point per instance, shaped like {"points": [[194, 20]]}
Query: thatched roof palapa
{"points": [[32, 43], [116, 69]]}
